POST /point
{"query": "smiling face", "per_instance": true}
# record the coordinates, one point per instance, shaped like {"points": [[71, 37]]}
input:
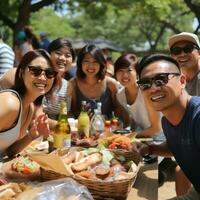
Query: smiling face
{"points": [[126, 76], [38, 84], [90, 66], [187, 61], [163, 97], [62, 59]]}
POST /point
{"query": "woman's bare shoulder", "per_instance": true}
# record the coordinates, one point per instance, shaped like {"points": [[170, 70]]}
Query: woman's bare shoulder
{"points": [[112, 83], [10, 109], [71, 86]]}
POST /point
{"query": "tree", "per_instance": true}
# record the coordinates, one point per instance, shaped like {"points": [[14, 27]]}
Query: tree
{"points": [[46, 20], [136, 25], [194, 7], [16, 14]]}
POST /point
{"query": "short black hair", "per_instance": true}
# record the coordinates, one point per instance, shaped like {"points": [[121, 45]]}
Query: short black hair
{"points": [[60, 43], [146, 60], [125, 61]]}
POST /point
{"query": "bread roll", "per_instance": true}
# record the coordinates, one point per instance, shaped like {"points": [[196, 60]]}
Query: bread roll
{"points": [[7, 194], [69, 158], [90, 160]]}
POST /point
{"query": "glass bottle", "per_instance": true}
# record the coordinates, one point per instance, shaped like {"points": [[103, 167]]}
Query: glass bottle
{"points": [[108, 127], [62, 134], [97, 123], [83, 122]]}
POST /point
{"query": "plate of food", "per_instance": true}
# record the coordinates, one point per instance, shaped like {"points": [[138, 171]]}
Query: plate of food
{"points": [[21, 168], [36, 146]]}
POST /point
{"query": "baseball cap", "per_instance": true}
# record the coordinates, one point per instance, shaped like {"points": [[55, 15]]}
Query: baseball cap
{"points": [[184, 36], [43, 34], [21, 35]]}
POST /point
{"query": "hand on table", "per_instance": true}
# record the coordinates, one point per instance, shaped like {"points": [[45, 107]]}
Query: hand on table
{"points": [[141, 148]]}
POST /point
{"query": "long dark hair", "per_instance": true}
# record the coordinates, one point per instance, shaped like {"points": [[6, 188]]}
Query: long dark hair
{"points": [[97, 54], [19, 84]]}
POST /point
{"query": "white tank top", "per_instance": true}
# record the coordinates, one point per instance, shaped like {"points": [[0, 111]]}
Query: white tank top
{"points": [[137, 110], [9, 136]]}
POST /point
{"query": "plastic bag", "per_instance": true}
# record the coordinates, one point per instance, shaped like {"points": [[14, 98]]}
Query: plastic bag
{"points": [[62, 189]]}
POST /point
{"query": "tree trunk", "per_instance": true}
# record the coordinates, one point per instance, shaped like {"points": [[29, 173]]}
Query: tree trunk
{"points": [[22, 19]]}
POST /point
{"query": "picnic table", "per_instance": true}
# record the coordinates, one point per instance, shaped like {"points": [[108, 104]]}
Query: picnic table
{"points": [[146, 184]]}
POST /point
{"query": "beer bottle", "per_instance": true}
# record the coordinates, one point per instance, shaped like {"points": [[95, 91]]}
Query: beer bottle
{"points": [[83, 122], [62, 134]]}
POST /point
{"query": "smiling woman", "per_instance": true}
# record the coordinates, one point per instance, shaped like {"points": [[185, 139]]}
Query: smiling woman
{"points": [[92, 85], [62, 56], [145, 121], [16, 132]]}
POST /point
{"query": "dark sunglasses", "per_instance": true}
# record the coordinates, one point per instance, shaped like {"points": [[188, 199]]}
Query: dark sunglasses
{"points": [[36, 71], [158, 80], [186, 49]]}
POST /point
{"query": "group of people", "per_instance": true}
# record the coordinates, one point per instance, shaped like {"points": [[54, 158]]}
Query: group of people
{"points": [[140, 94]]}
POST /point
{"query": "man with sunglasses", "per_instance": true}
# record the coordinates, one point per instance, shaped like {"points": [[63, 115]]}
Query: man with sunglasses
{"points": [[184, 48], [163, 85]]}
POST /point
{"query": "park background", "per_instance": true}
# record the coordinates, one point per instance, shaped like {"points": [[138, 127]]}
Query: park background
{"points": [[139, 26]]}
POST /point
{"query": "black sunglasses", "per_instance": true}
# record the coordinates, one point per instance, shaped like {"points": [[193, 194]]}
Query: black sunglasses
{"points": [[186, 49], [37, 70], [158, 80]]}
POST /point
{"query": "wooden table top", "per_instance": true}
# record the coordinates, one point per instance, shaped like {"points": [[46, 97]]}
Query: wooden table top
{"points": [[146, 184]]}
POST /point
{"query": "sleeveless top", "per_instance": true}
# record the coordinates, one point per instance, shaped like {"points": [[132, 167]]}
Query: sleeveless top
{"points": [[52, 106], [137, 111], [9, 136], [105, 98]]}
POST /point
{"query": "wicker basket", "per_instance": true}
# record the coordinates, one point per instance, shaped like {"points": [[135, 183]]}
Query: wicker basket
{"points": [[48, 175], [108, 190], [129, 155], [117, 189]]}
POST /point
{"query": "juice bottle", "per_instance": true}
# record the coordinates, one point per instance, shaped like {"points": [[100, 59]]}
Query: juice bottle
{"points": [[83, 122]]}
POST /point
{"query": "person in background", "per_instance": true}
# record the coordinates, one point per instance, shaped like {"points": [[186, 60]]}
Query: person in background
{"points": [[44, 42], [22, 47], [92, 85], [7, 56], [34, 77], [146, 120], [163, 85], [185, 49], [31, 37], [110, 67], [62, 56], [26, 41]]}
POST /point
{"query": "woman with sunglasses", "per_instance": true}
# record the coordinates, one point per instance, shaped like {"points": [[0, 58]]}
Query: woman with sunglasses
{"points": [[62, 56], [92, 85], [34, 77], [146, 120]]}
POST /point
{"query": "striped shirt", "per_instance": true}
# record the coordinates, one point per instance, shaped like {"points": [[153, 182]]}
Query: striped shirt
{"points": [[6, 58], [52, 107]]}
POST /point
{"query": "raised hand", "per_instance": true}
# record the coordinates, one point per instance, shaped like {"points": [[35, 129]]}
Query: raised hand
{"points": [[40, 127]]}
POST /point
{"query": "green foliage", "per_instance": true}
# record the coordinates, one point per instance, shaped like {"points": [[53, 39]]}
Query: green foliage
{"points": [[46, 20], [135, 25]]}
